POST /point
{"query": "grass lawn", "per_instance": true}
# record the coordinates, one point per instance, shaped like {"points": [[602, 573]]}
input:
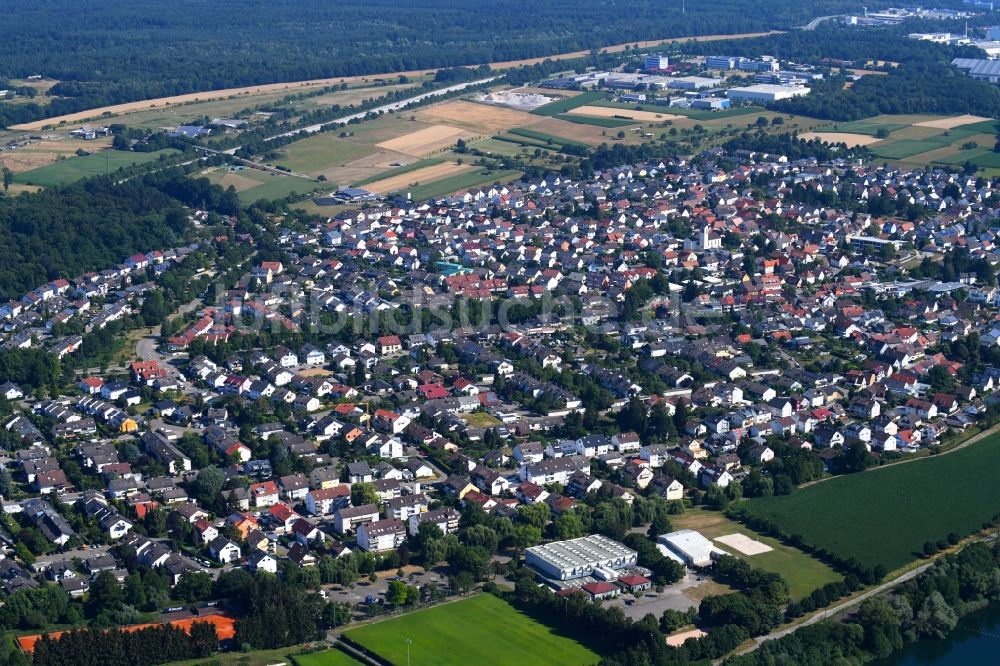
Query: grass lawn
{"points": [[884, 516], [568, 103], [803, 573], [325, 658], [481, 420], [73, 169], [462, 181], [321, 151], [253, 184], [477, 630]]}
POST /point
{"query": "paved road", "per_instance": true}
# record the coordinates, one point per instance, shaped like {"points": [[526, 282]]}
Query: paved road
{"points": [[812, 25], [385, 108]]}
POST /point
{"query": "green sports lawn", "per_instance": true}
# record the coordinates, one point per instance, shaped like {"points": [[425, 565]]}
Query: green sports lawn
{"points": [[885, 516], [73, 169], [479, 630], [325, 658]]}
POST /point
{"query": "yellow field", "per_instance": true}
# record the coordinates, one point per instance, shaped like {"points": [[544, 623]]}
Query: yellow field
{"points": [[608, 112], [951, 123], [425, 175], [480, 118], [852, 140], [424, 141]]}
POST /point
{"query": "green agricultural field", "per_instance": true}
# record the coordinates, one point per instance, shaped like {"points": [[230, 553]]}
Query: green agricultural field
{"points": [[462, 181], [597, 121], [321, 151], [886, 515], [569, 103], [547, 138], [802, 572], [399, 171], [477, 630], [73, 169], [325, 658], [903, 148]]}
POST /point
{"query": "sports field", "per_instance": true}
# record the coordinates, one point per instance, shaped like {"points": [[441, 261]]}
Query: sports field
{"points": [[802, 572], [884, 516], [74, 168], [479, 630], [325, 658]]}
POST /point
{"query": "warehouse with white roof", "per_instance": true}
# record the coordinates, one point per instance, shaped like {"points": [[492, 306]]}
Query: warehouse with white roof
{"points": [[594, 555]]}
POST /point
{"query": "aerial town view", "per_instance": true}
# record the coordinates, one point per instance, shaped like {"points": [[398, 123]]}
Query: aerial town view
{"points": [[499, 332]]}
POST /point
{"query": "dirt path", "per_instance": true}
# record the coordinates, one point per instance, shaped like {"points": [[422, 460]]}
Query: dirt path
{"points": [[298, 86]]}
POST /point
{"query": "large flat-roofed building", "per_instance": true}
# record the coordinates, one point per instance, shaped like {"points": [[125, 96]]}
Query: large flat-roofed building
{"points": [[691, 546], [765, 93], [693, 82], [595, 555]]}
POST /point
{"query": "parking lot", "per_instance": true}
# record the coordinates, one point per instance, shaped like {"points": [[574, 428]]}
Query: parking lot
{"points": [[680, 596], [363, 589]]}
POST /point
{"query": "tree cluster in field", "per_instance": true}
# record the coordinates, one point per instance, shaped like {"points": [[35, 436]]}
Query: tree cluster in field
{"points": [[927, 607], [116, 647]]}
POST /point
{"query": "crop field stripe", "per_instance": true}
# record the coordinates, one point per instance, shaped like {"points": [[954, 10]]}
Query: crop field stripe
{"points": [[568, 103], [398, 171], [542, 136], [885, 516], [462, 181], [596, 121]]}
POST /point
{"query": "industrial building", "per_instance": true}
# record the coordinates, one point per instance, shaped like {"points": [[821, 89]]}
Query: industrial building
{"points": [[710, 104], [765, 92], [596, 556], [656, 63], [690, 546], [979, 68], [764, 64], [693, 83]]}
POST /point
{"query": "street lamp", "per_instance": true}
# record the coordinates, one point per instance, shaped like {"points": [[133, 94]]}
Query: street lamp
{"points": [[408, 643]]}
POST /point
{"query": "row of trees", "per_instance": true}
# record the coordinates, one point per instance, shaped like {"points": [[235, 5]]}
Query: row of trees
{"points": [[139, 53], [115, 647], [926, 607]]}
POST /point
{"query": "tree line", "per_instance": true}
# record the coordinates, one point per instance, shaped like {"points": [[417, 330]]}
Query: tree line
{"points": [[137, 51]]}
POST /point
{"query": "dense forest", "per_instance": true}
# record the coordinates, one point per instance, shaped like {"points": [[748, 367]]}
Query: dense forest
{"points": [[95, 224], [106, 53]]}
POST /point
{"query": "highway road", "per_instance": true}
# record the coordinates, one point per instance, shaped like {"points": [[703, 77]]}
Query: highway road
{"points": [[812, 25], [385, 108]]}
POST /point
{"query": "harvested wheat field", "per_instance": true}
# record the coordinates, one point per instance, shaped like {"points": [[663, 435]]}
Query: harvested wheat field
{"points": [[480, 118], [852, 140], [608, 112], [424, 141], [950, 123], [425, 175]]}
